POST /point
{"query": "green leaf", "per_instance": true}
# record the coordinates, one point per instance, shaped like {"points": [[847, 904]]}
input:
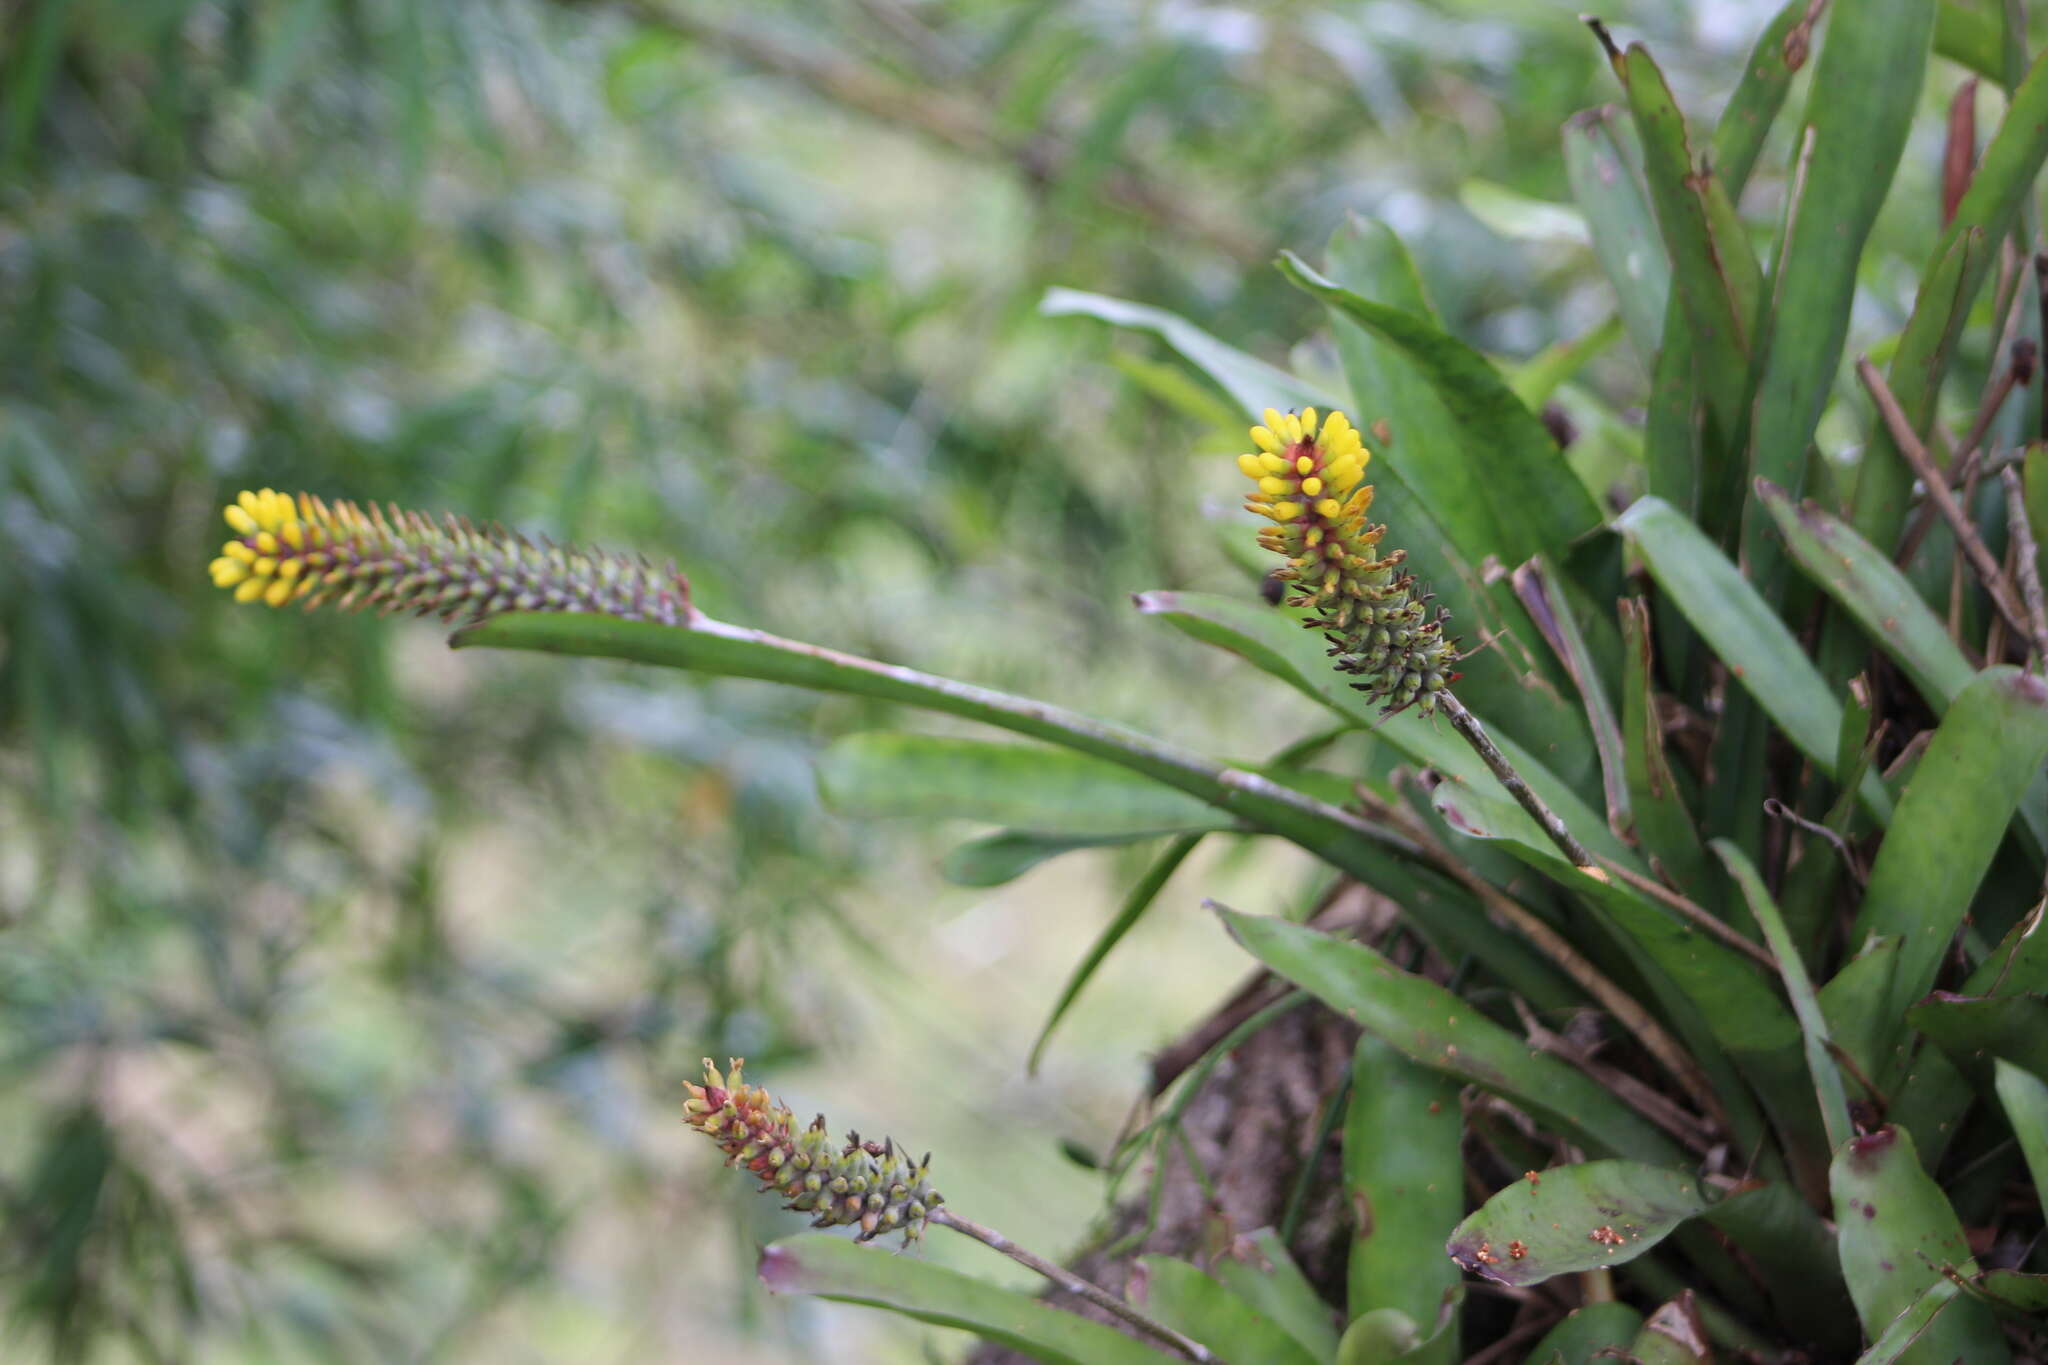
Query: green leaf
{"points": [[1988, 749], [1760, 652], [1715, 998], [1793, 1251], [1048, 791], [2013, 1293], [1433, 1027], [1253, 383], [1968, 36], [1592, 1335], [1520, 217], [1540, 590], [1404, 1173], [1896, 1234], [2024, 1096], [1200, 1308], [1538, 502], [832, 1268], [1380, 1337], [1854, 1002], [1976, 1030], [1601, 159], [1865, 89], [1259, 1271], [1136, 903], [1827, 1078], [1008, 854], [1573, 1218], [715, 647], [1659, 820], [1883, 478], [1865, 583], [1714, 271], [1540, 376], [1766, 79], [1903, 1332], [1275, 643]]}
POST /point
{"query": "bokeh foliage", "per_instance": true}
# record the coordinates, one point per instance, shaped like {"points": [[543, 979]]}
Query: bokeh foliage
{"points": [[346, 983]]}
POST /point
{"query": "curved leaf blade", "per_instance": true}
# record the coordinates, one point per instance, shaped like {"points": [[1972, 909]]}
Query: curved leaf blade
{"points": [[1896, 1235], [1404, 1174], [830, 1268], [1714, 596], [1571, 1218], [1202, 1309]]}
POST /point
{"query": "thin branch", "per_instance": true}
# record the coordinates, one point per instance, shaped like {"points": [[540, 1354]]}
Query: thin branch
{"points": [[2028, 557], [1467, 724], [1974, 549], [1075, 1285], [1779, 810]]}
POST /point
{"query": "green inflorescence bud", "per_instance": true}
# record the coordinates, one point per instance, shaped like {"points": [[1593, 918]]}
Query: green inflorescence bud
{"points": [[873, 1186]]}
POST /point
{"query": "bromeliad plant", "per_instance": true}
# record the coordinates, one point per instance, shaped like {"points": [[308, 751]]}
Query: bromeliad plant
{"points": [[1719, 1016]]}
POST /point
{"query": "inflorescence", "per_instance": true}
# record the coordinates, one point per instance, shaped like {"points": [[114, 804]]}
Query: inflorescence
{"points": [[310, 551], [1378, 622], [870, 1185]]}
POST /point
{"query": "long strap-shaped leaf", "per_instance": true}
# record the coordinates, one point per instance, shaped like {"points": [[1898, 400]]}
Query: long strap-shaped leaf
{"points": [[1363, 850], [1435, 1028], [833, 1268], [1999, 187], [1760, 652], [708, 646], [1865, 89], [1950, 821]]}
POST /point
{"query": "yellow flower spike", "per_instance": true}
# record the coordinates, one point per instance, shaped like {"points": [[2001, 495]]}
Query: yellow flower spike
{"points": [[1308, 423], [1290, 427], [1274, 422], [1335, 425], [1311, 485], [1251, 466], [288, 548], [1330, 508], [1272, 487], [1286, 511], [1273, 464], [1304, 463], [1265, 440]]}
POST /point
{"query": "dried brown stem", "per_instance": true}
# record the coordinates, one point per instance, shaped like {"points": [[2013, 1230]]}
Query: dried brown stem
{"points": [[1075, 1285], [2027, 561], [1965, 465], [1980, 557]]}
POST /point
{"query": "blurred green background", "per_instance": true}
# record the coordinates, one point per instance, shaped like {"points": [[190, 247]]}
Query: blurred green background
{"points": [[347, 984]]}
